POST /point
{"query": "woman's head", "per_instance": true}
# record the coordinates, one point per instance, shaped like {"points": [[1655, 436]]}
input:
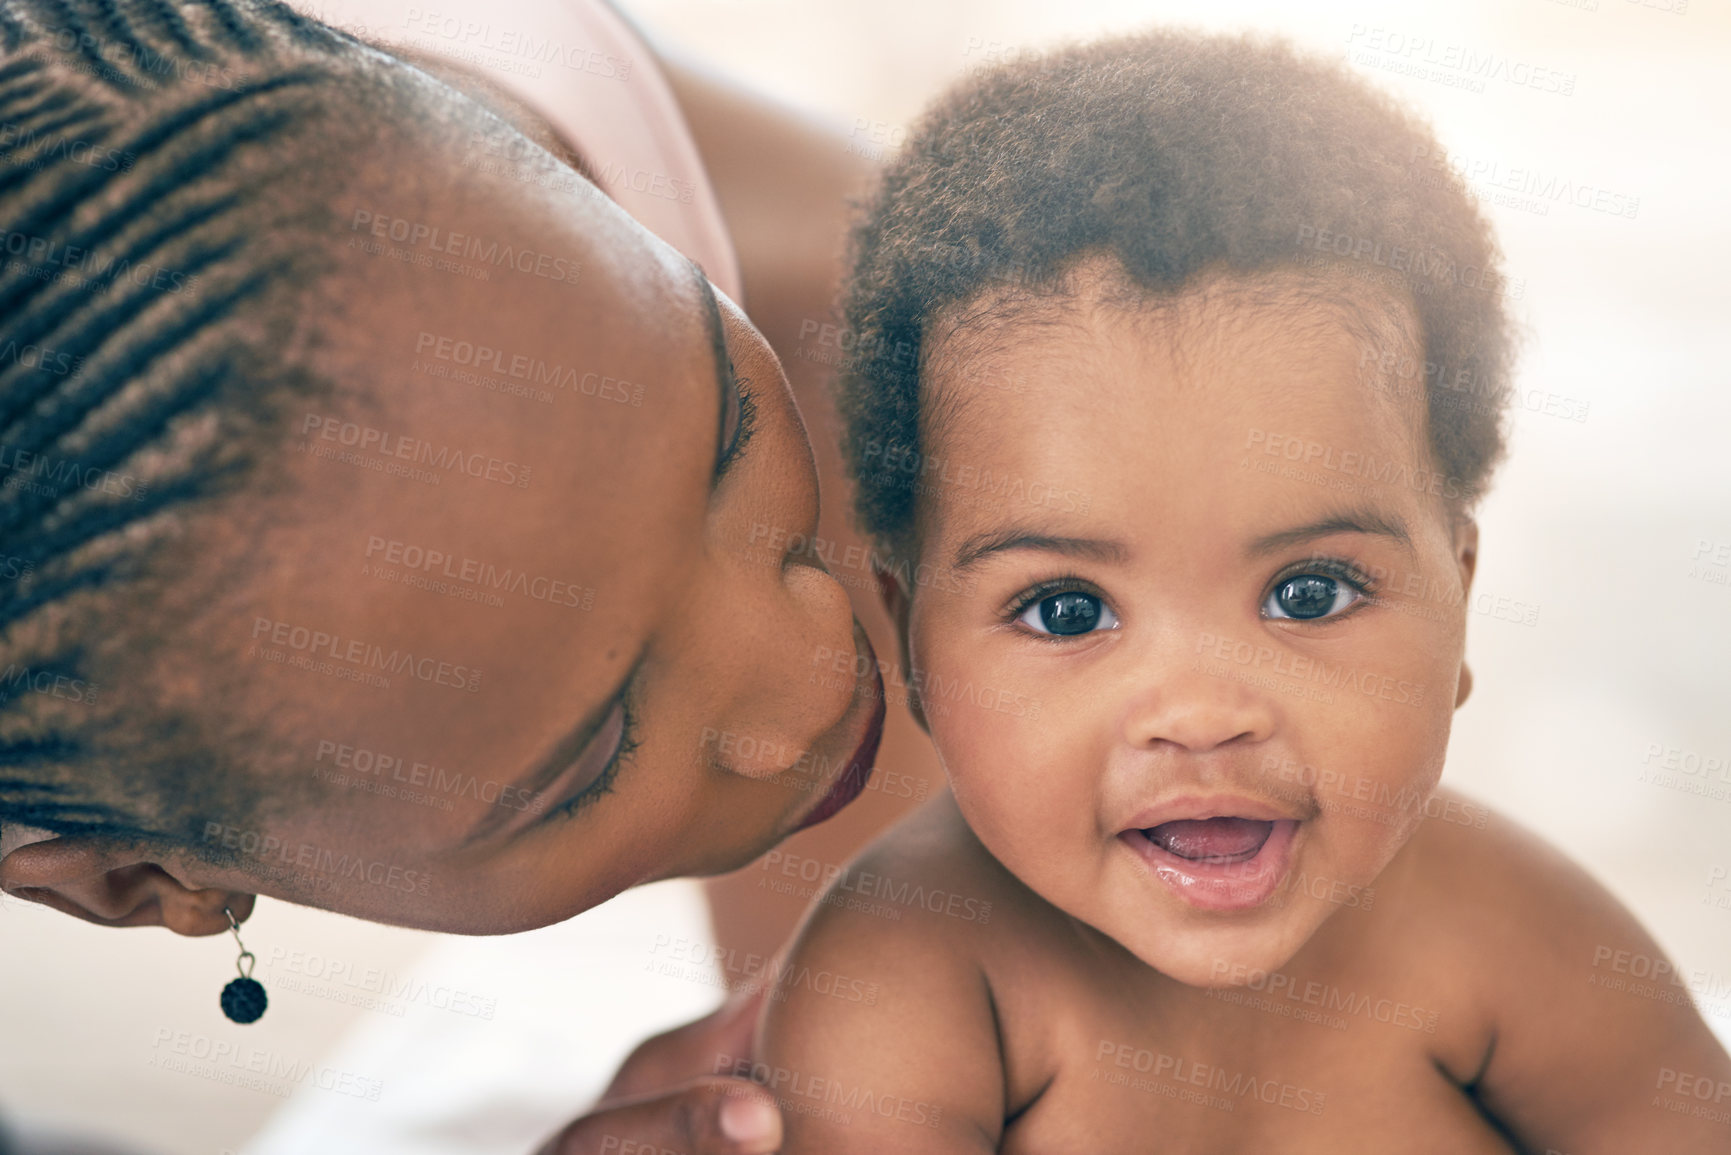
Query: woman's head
{"points": [[390, 527]]}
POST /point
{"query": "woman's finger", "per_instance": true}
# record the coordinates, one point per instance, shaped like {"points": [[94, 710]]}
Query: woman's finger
{"points": [[712, 1116], [690, 1051]]}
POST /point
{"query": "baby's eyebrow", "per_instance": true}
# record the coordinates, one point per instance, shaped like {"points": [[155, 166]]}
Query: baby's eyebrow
{"points": [[982, 545], [1354, 521]]}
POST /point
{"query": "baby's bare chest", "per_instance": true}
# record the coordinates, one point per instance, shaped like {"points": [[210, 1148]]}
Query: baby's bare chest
{"points": [[1213, 1101], [1291, 1063]]}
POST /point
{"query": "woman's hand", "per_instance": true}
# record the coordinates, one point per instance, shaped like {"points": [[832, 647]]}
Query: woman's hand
{"points": [[665, 1097]]}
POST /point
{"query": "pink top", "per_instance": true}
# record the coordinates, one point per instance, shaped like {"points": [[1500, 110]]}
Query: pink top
{"points": [[583, 68]]}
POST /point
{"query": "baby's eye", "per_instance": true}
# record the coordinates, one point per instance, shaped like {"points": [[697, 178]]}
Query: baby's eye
{"points": [[1308, 596], [1069, 613]]}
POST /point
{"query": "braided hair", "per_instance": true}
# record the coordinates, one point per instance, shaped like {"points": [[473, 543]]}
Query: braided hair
{"points": [[155, 251]]}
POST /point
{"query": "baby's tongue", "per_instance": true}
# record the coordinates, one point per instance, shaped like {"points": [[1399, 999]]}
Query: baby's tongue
{"points": [[1211, 837]]}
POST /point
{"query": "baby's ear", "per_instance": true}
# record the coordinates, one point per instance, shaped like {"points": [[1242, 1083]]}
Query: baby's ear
{"points": [[894, 596], [110, 883], [898, 601], [1466, 543]]}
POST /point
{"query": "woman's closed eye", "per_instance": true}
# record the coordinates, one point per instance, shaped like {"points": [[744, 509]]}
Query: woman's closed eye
{"points": [[611, 748], [738, 416], [738, 423]]}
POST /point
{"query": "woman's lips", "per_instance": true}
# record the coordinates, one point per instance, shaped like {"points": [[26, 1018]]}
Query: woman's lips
{"points": [[1217, 863], [852, 782], [858, 771]]}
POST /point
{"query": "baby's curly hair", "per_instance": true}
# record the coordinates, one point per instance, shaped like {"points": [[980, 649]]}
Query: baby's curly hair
{"points": [[1174, 153]]}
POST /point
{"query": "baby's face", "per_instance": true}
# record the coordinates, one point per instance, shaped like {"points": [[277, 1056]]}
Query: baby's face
{"points": [[1190, 633]]}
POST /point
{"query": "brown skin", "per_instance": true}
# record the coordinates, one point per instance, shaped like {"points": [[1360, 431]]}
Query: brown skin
{"points": [[1486, 933], [721, 638], [1477, 941], [637, 1107], [786, 186], [1127, 712], [788, 234]]}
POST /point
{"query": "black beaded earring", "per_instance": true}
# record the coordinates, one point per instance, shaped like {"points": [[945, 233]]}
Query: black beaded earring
{"points": [[243, 1000]]}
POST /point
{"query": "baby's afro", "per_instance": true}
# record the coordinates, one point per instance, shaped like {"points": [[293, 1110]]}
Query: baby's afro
{"points": [[1174, 153]]}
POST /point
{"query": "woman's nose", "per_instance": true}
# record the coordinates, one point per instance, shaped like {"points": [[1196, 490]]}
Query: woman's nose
{"points": [[795, 675]]}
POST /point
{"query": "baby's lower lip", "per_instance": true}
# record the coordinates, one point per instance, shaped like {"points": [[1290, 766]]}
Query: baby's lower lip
{"points": [[1233, 871]]}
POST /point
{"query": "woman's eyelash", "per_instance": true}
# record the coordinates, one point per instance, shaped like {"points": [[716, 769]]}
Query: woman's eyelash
{"points": [[604, 781], [747, 426]]}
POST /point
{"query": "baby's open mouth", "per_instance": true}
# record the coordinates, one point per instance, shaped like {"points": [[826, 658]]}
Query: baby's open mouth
{"points": [[1222, 862], [1211, 839]]}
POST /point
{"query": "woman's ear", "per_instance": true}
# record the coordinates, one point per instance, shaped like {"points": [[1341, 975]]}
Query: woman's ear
{"points": [[108, 883], [898, 602]]}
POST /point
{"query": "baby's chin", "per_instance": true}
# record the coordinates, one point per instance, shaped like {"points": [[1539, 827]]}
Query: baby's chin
{"points": [[1217, 925], [1216, 951]]}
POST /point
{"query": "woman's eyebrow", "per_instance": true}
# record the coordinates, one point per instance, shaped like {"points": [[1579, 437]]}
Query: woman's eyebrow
{"points": [[724, 381]]}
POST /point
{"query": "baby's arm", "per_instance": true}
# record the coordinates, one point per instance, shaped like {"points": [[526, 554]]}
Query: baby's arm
{"points": [[1577, 1062], [883, 1038]]}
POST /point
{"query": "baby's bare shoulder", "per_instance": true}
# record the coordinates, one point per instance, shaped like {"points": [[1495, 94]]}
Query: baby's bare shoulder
{"points": [[883, 997], [1475, 871], [1529, 945], [1504, 907], [925, 885]]}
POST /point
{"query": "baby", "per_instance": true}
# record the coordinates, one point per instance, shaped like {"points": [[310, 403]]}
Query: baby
{"points": [[1178, 372]]}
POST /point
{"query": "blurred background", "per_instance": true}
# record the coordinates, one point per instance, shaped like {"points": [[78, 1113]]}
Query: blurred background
{"points": [[1601, 715]]}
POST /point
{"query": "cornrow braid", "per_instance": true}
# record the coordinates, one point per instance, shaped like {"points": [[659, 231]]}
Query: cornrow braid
{"points": [[150, 271]]}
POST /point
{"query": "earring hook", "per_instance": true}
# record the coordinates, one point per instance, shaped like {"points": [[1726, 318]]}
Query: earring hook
{"points": [[245, 955]]}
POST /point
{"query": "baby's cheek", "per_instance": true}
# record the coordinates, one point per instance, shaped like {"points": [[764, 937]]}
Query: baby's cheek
{"points": [[1384, 760], [1016, 791], [982, 752]]}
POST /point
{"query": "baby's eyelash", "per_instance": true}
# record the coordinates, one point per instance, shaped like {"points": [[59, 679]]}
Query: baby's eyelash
{"points": [[1338, 568], [1019, 604]]}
